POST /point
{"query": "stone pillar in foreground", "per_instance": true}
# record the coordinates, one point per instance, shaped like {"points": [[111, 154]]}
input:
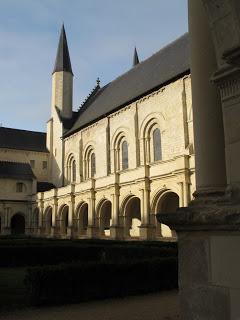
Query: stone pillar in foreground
{"points": [[206, 104], [209, 228]]}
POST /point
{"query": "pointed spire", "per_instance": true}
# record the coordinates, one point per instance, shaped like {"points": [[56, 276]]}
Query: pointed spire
{"points": [[135, 58], [63, 62]]}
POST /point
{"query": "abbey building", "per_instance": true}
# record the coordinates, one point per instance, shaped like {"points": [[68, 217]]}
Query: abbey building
{"points": [[105, 170]]}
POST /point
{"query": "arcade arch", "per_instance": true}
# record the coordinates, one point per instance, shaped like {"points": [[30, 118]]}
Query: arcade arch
{"points": [[82, 219], [132, 216], [35, 220], [168, 202], [104, 213], [47, 220], [18, 224], [63, 219]]}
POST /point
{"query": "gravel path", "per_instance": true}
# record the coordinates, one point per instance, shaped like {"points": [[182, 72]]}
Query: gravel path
{"points": [[160, 306]]}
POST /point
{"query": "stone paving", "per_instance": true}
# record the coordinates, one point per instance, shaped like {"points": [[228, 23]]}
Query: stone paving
{"points": [[157, 306]]}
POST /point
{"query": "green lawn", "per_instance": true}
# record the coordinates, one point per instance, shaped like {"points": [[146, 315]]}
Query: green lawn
{"points": [[12, 289]]}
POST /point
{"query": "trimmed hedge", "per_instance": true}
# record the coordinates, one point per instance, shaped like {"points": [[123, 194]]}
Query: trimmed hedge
{"points": [[72, 283], [32, 253]]}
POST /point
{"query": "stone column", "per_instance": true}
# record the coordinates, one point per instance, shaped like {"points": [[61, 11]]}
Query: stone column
{"points": [[209, 228], [147, 230], [207, 111], [54, 230], [28, 220], [116, 230], [92, 230], [7, 222], [185, 194], [71, 207], [40, 220]]}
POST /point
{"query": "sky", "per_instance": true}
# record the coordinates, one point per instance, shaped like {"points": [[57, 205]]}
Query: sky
{"points": [[101, 37]]}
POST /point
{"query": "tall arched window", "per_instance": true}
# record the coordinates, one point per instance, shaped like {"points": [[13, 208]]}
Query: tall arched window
{"points": [[120, 152], [124, 155], [89, 163], [73, 171], [93, 164], [157, 148]]}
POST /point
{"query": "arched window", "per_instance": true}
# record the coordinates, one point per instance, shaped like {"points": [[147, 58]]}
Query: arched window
{"points": [[73, 171], [93, 164], [124, 155], [89, 163], [157, 148], [120, 152]]}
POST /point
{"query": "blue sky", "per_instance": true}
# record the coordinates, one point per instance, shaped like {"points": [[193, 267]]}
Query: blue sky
{"points": [[101, 38]]}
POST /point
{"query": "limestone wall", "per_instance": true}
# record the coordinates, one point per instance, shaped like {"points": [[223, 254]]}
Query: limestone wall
{"points": [[169, 108], [41, 173], [123, 203]]}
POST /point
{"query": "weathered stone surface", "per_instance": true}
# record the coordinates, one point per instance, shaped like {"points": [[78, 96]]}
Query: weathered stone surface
{"points": [[193, 261], [225, 260], [205, 303]]}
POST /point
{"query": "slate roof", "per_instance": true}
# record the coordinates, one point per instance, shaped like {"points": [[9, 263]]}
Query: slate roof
{"points": [[158, 70], [44, 186], [63, 62], [22, 139], [16, 170]]}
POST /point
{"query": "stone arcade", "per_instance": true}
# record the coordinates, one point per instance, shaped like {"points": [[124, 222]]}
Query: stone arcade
{"points": [[125, 155]]}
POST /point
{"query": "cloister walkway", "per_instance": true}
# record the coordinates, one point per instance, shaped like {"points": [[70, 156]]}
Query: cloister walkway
{"points": [[157, 306]]}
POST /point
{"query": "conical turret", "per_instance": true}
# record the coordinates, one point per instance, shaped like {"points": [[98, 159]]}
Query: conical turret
{"points": [[63, 62], [62, 80], [135, 58]]}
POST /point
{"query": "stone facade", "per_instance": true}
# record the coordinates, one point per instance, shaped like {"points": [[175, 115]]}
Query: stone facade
{"points": [[114, 174], [116, 202]]}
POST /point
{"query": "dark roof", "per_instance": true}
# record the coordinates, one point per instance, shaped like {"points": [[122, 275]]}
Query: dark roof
{"points": [[135, 57], [22, 139], [158, 70], [44, 186], [62, 62], [16, 170]]}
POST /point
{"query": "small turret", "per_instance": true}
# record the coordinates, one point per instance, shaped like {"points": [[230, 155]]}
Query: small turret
{"points": [[135, 58]]}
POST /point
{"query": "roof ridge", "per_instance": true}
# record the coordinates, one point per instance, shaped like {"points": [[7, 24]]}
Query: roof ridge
{"points": [[15, 162], [1, 127], [91, 94], [164, 66], [145, 60]]}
